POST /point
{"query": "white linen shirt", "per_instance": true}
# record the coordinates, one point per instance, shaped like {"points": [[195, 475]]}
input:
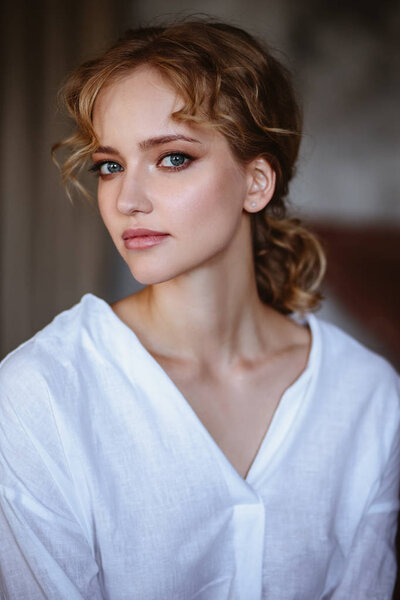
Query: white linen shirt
{"points": [[111, 487]]}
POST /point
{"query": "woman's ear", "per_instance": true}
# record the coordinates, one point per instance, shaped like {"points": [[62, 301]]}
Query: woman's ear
{"points": [[262, 179]]}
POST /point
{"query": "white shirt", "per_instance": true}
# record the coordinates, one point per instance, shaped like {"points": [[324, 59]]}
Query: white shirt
{"points": [[111, 487]]}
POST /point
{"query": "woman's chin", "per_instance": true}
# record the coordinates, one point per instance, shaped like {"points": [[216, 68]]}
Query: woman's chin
{"points": [[151, 278]]}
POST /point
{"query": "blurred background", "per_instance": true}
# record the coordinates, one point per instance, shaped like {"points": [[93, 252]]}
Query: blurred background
{"points": [[345, 59]]}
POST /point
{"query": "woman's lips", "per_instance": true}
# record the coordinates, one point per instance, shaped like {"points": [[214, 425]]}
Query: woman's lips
{"points": [[139, 239]]}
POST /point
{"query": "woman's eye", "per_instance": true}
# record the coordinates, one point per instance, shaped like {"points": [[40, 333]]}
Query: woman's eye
{"points": [[108, 167], [174, 160]]}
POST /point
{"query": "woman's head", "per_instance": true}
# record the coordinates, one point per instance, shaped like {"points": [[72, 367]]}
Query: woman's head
{"points": [[174, 177], [229, 82]]}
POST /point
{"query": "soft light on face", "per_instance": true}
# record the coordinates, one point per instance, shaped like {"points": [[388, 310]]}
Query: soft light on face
{"points": [[166, 176]]}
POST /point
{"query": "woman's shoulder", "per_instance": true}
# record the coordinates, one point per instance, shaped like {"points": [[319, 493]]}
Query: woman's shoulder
{"points": [[67, 340], [341, 348], [349, 368], [355, 399]]}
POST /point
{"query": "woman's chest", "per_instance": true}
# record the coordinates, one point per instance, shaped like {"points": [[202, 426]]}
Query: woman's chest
{"points": [[235, 411], [236, 419]]}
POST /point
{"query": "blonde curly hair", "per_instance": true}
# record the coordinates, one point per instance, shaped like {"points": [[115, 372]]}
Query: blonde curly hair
{"points": [[230, 81]]}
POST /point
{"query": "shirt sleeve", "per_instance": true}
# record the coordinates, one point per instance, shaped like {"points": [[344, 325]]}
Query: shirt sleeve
{"points": [[45, 549], [370, 570]]}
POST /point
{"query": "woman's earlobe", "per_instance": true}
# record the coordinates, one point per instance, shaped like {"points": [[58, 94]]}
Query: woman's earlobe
{"points": [[262, 185]]}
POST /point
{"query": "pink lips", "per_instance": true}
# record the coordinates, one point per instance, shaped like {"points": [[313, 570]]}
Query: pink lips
{"points": [[139, 239]]}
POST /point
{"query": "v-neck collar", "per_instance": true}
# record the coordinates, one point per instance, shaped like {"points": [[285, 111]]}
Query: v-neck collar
{"points": [[285, 415]]}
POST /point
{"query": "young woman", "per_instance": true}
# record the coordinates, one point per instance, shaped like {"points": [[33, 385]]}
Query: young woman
{"points": [[206, 438]]}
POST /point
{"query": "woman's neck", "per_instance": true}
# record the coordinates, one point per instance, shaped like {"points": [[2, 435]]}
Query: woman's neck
{"points": [[210, 318]]}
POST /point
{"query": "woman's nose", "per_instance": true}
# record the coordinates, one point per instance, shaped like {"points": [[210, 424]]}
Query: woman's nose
{"points": [[132, 197]]}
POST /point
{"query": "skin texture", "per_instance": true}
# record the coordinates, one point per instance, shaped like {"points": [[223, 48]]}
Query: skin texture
{"points": [[200, 316]]}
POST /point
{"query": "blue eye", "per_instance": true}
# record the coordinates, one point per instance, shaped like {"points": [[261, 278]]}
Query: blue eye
{"points": [[108, 167], [174, 160]]}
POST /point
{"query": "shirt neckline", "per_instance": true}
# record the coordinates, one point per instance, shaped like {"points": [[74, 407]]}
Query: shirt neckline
{"points": [[282, 421]]}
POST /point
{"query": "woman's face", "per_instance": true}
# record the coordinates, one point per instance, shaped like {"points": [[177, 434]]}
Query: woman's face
{"points": [[174, 178]]}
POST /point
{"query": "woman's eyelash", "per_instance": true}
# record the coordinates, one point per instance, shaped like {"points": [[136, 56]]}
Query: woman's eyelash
{"points": [[176, 155], [97, 166]]}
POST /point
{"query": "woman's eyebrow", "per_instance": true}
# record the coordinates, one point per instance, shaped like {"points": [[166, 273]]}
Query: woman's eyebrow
{"points": [[146, 144], [164, 139], [105, 150]]}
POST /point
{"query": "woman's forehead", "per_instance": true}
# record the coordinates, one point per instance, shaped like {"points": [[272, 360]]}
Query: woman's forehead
{"points": [[143, 86], [139, 96], [144, 102]]}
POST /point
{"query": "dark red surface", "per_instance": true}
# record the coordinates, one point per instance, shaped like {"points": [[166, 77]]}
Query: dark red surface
{"points": [[364, 273]]}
